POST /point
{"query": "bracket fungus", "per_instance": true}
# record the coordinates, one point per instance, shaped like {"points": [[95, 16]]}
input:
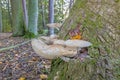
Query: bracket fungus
{"points": [[54, 25], [77, 43], [59, 48], [51, 51], [59, 42]]}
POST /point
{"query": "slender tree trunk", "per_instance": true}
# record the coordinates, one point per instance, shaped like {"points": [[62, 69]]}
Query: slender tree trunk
{"points": [[0, 17], [9, 13], [25, 13], [43, 16], [33, 16], [71, 4], [17, 18], [51, 15]]}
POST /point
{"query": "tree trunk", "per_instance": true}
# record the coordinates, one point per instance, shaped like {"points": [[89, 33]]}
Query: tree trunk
{"points": [[33, 16], [43, 16], [51, 15], [9, 13], [100, 25], [25, 13], [0, 17], [71, 4], [17, 18]]}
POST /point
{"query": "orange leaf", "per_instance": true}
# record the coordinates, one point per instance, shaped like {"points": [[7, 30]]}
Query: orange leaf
{"points": [[76, 37], [21, 78]]}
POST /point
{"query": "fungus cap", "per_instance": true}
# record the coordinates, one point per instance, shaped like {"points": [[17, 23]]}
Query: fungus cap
{"points": [[54, 25], [77, 43], [51, 51], [59, 42]]}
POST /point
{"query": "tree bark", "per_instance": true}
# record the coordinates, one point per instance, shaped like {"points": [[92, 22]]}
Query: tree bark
{"points": [[33, 16], [17, 18], [99, 25]]}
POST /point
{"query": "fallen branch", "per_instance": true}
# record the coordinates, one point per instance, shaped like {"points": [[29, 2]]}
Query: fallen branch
{"points": [[17, 45]]}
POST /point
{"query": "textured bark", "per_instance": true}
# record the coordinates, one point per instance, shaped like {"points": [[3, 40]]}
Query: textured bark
{"points": [[100, 25], [33, 16], [17, 18]]}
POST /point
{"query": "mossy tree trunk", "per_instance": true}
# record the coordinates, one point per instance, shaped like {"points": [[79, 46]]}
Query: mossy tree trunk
{"points": [[100, 21], [33, 17], [17, 18]]}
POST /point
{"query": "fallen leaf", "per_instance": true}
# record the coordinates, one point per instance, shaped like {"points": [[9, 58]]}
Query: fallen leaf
{"points": [[76, 37], [43, 76], [21, 78], [1, 62], [47, 66], [0, 44]]}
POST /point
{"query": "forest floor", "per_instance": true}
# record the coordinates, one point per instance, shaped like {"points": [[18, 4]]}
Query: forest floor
{"points": [[21, 63]]}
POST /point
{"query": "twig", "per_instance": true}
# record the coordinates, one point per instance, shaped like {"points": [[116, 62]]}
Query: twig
{"points": [[5, 67], [17, 45]]}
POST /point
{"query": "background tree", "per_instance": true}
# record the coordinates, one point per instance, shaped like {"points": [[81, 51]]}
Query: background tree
{"points": [[42, 13], [71, 4], [17, 18], [6, 16], [51, 15], [9, 13], [102, 23], [25, 13], [59, 10], [0, 17], [33, 17]]}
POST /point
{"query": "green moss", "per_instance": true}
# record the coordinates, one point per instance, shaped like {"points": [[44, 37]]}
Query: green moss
{"points": [[58, 65], [29, 35], [76, 70]]}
